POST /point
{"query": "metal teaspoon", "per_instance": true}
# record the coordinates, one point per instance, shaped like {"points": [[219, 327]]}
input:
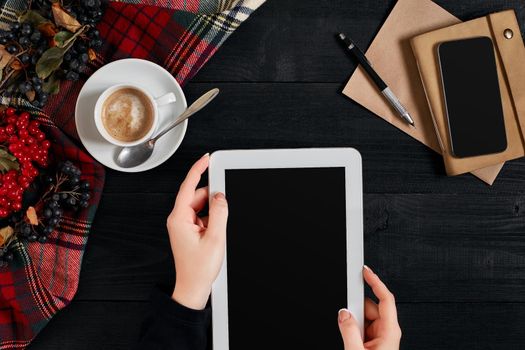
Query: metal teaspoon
{"points": [[133, 156]]}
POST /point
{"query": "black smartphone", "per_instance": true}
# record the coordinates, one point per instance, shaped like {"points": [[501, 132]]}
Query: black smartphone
{"points": [[472, 97]]}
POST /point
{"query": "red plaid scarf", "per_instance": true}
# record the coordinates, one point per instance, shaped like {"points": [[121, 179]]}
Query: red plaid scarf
{"points": [[179, 35], [180, 41], [43, 278]]}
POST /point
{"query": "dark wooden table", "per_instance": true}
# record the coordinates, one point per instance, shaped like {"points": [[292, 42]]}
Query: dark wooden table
{"points": [[451, 249]]}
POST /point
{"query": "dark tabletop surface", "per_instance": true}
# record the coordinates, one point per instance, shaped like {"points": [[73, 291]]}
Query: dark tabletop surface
{"points": [[451, 249]]}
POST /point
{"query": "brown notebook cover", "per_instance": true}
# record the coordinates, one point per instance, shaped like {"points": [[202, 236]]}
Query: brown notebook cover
{"points": [[510, 55], [391, 55]]}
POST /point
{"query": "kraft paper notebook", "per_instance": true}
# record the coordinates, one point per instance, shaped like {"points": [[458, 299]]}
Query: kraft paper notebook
{"points": [[510, 63], [392, 56]]}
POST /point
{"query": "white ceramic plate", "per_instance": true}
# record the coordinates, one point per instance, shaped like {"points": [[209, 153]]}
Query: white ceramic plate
{"points": [[153, 78]]}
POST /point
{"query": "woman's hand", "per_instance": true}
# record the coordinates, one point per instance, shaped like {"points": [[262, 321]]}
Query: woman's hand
{"points": [[382, 330], [197, 243]]}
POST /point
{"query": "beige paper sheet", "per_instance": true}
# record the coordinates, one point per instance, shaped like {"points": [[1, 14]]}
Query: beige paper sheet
{"points": [[391, 55]]}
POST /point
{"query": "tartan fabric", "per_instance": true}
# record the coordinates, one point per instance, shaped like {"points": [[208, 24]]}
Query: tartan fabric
{"points": [[43, 278], [179, 40], [180, 35]]}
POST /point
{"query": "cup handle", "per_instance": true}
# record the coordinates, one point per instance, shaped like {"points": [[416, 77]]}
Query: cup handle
{"points": [[165, 99]]}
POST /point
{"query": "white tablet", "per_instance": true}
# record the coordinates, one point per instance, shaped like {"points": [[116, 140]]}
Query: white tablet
{"points": [[294, 250]]}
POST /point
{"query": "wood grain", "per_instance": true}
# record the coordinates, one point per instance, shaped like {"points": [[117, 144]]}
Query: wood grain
{"points": [[292, 41], [437, 326], [451, 249], [273, 115], [427, 247], [445, 326], [93, 325]]}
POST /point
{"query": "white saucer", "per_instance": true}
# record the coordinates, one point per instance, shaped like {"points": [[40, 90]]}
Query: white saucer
{"points": [[153, 78]]}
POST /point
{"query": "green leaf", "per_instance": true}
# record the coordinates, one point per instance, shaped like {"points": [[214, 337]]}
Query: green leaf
{"points": [[51, 85], [50, 60], [5, 154], [65, 39], [62, 38], [32, 17], [6, 165], [7, 161]]}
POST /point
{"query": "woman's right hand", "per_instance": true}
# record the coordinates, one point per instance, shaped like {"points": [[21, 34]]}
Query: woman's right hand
{"points": [[382, 331], [197, 242]]}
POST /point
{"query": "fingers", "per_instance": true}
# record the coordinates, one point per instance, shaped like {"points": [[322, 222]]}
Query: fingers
{"points": [[218, 216], [350, 331], [199, 222], [190, 183], [387, 302], [200, 199], [371, 310]]}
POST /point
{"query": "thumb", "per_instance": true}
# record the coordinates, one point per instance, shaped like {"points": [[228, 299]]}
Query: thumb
{"points": [[218, 216], [350, 331]]}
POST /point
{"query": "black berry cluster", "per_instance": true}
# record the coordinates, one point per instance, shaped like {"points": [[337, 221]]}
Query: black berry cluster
{"points": [[86, 12], [6, 255], [77, 57], [27, 45], [65, 191], [79, 192], [46, 48]]}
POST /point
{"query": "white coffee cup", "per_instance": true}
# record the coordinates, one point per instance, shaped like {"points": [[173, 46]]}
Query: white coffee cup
{"points": [[155, 103]]}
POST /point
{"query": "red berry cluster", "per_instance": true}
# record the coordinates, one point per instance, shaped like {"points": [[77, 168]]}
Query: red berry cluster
{"points": [[28, 144]]}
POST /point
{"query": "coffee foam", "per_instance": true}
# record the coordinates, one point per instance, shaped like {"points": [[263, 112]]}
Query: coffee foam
{"points": [[127, 114]]}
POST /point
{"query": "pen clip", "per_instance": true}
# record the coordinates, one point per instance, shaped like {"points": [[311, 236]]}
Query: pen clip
{"points": [[366, 58], [362, 54]]}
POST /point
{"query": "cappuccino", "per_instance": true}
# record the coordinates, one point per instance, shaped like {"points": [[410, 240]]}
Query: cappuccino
{"points": [[127, 114]]}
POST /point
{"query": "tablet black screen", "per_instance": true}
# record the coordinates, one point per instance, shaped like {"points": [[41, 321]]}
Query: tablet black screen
{"points": [[286, 255]]}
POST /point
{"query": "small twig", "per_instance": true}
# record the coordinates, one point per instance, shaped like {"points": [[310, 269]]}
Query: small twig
{"points": [[6, 78], [21, 53]]}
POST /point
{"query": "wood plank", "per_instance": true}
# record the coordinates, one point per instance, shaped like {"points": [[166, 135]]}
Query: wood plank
{"points": [[428, 248], [295, 41], [451, 249], [93, 325], [450, 326], [309, 115], [447, 247], [447, 326]]}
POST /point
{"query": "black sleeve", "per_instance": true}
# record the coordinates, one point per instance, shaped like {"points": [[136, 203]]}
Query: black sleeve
{"points": [[169, 325]]}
